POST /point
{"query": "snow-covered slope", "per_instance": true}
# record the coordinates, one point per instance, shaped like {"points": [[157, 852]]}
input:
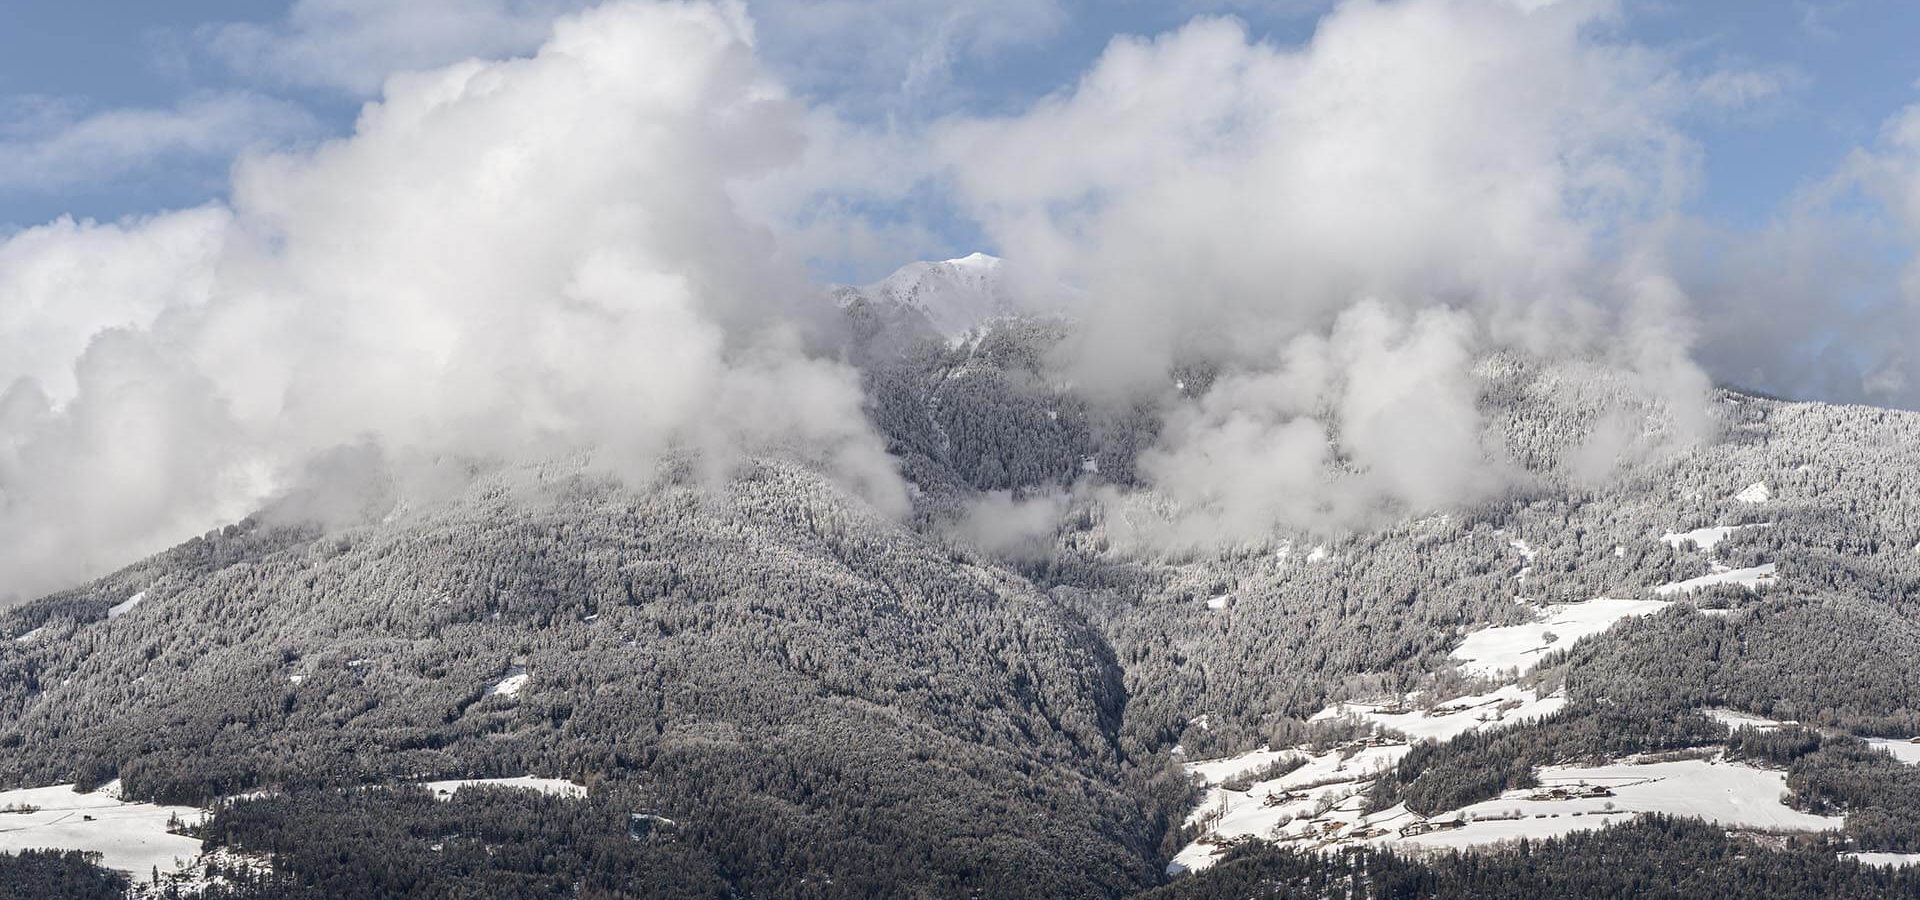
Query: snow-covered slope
{"points": [[955, 295], [1321, 804], [558, 787], [131, 837], [1491, 651], [1752, 578], [1706, 538]]}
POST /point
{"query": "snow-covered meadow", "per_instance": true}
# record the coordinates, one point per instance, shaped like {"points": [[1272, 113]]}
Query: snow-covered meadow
{"points": [[131, 837], [1509, 705], [1321, 804], [555, 787], [1518, 648], [1752, 578]]}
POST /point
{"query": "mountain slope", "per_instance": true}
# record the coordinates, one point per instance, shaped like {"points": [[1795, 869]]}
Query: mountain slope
{"points": [[952, 296], [825, 702], [775, 668]]}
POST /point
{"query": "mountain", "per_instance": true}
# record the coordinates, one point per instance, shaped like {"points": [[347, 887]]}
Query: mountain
{"points": [[766, 688], [954, 296], [770, 663]]}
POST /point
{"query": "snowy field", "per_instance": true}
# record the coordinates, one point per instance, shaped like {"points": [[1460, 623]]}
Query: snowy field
{"points": [[1327, 791], [1906, 750], [1706, 538], [1725, 793], [558, 787], [1885, 859], [125, 606], [1492, 651], [194, 880], [1735, 719], [1510, 705], [131, 837], [512, 685], [1902, 749], [1752, 579], [1319, 805], [1757, 492], [1298, 800]]}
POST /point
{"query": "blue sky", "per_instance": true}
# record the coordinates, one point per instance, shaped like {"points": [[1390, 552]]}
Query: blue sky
{"points": [[1841, 68]]}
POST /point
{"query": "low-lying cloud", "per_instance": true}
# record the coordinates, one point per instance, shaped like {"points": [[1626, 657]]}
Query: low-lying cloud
{"points": [[1344, 227], [513, 260]]}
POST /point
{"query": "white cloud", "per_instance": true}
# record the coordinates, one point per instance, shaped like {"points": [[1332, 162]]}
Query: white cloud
{"points": [[353, 45], [55, 148], [879, 57], [1824, 300], [1365, 423], [1345, 225], [63, 283], [1889, 173], [888, 57], [1736, 89], [999, 523], [1892, 170], [516, 260]]}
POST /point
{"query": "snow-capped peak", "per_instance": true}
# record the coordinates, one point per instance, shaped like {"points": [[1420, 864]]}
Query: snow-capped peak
{"points": [[956, 295], [975, 260]]}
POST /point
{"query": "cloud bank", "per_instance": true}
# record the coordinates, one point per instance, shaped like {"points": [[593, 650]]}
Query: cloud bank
{"points": [[1346, 226], [514, 259]]}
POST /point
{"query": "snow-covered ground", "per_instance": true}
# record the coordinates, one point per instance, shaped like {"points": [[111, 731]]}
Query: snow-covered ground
{"points": [[192, 880], [1886, 859], [1902, 749], [1757, 492], [1752, 579], [1296, 800], [558, 787], [1527, 553], [1906, 750], [511, 685], [1330, 787], [1706, 538], [125, 606], [1319, 805], [1721, 792], [28, 637], [1491, 651], [1510, 705], [1735, 719], [1214, 771], [956, 295], [131, 837]]}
